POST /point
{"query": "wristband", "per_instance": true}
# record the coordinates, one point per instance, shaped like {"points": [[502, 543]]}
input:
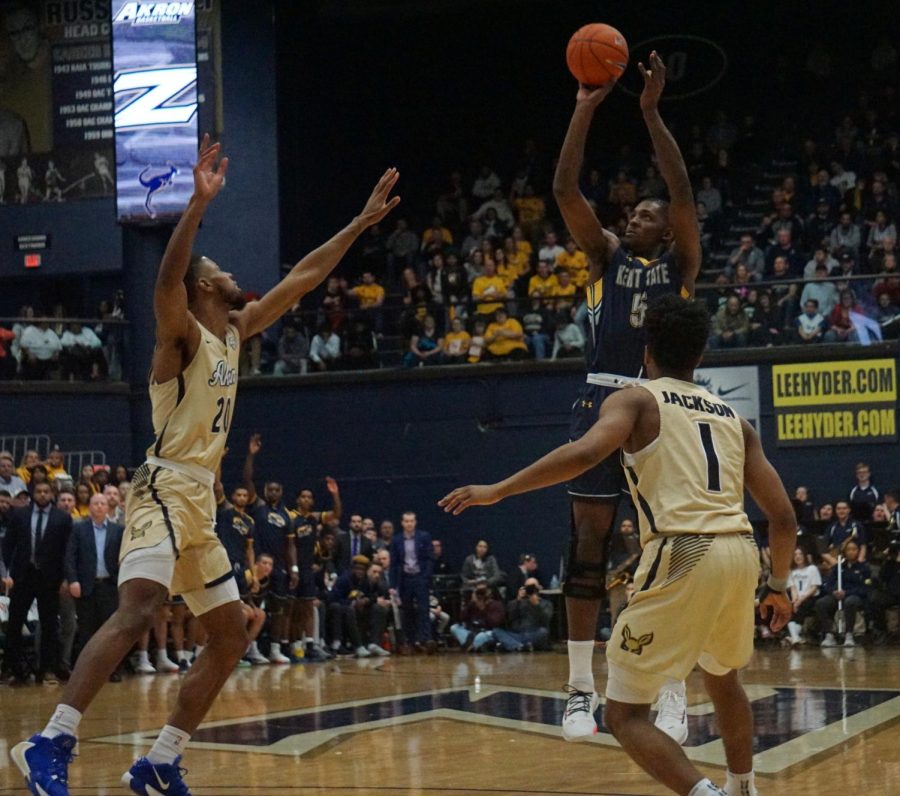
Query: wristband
{"points": [[295, 569], [777, 584]]}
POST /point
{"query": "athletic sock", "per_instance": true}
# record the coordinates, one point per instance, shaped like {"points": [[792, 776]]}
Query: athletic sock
{"points": [[162, 656], [677, 686], [144, 657], [182, 655], [274, 649], [169, 744], [740, 784], [581, 674], [705, 788], [794, 630], [197, 650], [65, 719]]}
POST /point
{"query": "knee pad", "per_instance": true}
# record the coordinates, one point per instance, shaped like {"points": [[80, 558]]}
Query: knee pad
{"points": [[585, 579]]}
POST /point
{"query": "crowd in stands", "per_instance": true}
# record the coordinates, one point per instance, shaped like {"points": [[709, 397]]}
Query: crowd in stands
{"points": [[313, 590], [57, 346], [799, 246]]}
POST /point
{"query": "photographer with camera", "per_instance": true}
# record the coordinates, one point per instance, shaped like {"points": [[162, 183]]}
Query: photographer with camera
{"points": [[479, 617], [528, 620]]}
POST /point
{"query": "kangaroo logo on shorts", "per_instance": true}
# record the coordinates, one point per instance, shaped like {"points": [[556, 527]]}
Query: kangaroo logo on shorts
{"points": [[635, 644], [139, 533]]}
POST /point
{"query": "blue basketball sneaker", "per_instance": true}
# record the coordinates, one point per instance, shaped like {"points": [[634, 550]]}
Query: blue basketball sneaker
{"points": [[162, 779], [44, 762]]}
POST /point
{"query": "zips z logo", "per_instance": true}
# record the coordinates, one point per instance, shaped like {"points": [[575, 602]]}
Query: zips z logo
{"points": [[155, 97]]}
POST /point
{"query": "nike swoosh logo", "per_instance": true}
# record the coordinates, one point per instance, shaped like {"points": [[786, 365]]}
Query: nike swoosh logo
{"points": [[162, 783], [723, 392]]}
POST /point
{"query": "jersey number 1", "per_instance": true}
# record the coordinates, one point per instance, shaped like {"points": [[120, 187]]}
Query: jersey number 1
{"points": [[713, 474], [223, 416]]}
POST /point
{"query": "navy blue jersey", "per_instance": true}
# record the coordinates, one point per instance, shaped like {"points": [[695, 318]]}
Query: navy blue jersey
{"points": [[274, 525], [616, 305], [305, 531], [234, 528]]}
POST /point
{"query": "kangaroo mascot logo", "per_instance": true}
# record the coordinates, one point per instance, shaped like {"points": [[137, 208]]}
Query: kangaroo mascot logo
{"points": [[157, 183], [635, 644]]}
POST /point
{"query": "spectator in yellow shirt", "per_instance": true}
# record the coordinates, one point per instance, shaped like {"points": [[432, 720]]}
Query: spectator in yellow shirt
{"points": [[55, 464], [456, 343], [369, 294], [487, 290], [574, 261], [515, 256], [564, 292], [505, 338], [476, 344], [530, 210], [83, 494], [543, 284], [506, 271], [522, 243], [29, 461]]}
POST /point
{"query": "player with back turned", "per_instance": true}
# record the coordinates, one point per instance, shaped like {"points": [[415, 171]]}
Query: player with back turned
{"points": [[659, 254], [170, 542], [688, 457]]}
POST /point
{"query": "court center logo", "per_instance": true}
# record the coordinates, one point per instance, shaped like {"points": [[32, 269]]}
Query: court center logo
{"points": [[693, 65], [793, 723], [635, 644]]}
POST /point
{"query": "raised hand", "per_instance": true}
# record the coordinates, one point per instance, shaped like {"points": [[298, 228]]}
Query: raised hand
{"points": [[331, 485], [592, 96], [255, 444], [208, 179], [379, 205], [654, 81], [473, 495]]}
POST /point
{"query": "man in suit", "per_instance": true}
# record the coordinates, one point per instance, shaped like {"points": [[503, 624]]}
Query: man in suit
{"points": [[353, 544], [411, 569], [92, 568], [34, 550]]}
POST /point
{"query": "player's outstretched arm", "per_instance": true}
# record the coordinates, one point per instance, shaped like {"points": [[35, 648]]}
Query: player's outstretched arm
{"points": [[765, 486], [618, 416], [580, 218], [170, 300], [318, 264], [682, 211]]}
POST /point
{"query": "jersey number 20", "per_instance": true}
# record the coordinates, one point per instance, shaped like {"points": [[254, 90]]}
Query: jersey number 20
{"points": [[223, 417]]}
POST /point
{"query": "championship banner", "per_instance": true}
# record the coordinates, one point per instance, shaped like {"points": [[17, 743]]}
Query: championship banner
{"points": [[822, 403], [738, 387]]}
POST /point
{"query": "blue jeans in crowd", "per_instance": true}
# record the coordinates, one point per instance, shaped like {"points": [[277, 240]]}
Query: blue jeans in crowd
{"points": [[479, 638], [538, 342], [512, 641]]}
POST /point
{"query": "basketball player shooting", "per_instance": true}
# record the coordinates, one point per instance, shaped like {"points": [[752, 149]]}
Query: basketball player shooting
{"points": [[169, 544], [659, 254], [688, 456]]}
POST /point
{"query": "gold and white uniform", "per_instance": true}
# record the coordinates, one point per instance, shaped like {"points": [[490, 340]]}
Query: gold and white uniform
{"points": [[695, 586], [171, 507]]}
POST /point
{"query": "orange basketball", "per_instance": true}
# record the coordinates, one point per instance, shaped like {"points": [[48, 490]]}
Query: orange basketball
{"points": [[597, 54]]}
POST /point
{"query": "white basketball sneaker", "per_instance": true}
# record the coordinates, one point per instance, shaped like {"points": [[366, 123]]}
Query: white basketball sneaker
{"points": [[671, 717], [578, 722]]}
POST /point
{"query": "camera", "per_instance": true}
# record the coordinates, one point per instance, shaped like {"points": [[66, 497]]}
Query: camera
{"points": [[531, 589]]}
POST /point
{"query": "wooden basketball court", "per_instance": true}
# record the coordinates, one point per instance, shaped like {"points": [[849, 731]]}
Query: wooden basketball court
{"points": [[826, 722]]}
